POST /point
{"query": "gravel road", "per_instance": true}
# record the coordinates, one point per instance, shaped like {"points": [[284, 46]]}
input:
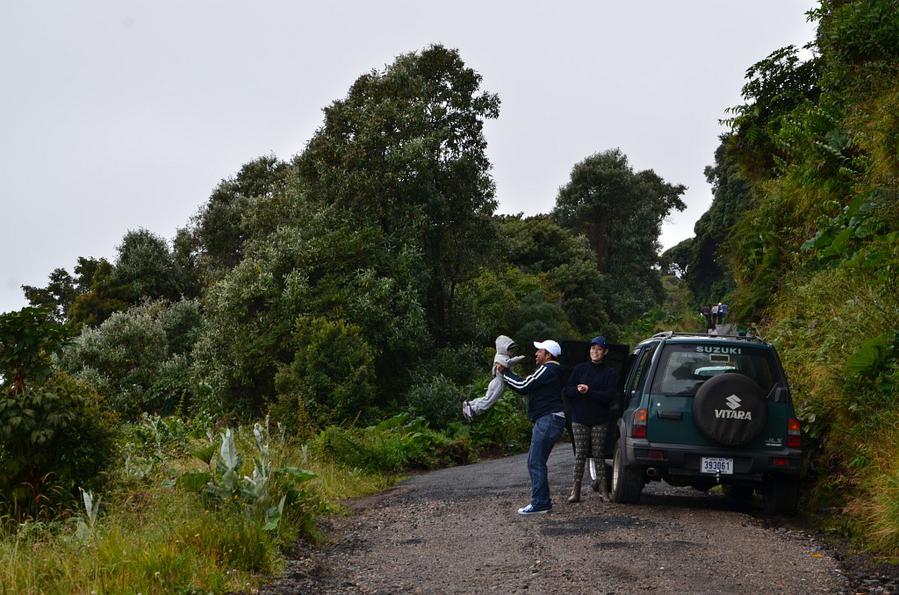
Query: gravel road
{"points": [[456, 531]]}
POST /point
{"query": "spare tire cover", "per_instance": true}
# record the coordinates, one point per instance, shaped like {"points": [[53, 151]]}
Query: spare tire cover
{"points": [[730, 409]]}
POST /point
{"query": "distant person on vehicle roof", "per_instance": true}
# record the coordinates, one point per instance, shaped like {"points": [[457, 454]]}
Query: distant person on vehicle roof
{"points": [[544, 391], [504, 349], [588, 394]]}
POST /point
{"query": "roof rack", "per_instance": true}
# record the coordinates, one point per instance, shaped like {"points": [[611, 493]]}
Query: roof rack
{"points": [[669, 334]]}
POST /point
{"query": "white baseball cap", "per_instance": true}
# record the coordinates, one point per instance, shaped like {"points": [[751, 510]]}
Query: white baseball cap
{"points": [[549, 345]]}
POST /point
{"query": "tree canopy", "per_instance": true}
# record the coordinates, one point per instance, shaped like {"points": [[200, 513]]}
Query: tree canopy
{"points": [[405, 151], [621, 213]]}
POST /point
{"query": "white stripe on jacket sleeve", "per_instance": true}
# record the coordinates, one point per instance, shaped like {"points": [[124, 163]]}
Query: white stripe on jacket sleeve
{"points": [[526, 382]]}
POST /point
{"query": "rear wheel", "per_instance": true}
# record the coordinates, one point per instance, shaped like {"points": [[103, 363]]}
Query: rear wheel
{"points": [[781, 496], [738, 493], [627, 481]]}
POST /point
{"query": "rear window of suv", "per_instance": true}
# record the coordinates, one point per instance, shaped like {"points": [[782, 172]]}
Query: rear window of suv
{"points": [[683, 368]]}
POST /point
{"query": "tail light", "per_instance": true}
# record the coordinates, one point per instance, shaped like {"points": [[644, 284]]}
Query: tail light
{"points": [[793, 438], [638, 428]]}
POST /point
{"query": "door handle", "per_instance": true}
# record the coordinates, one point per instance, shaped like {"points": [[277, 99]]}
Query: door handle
{"points": [[678, 415]]}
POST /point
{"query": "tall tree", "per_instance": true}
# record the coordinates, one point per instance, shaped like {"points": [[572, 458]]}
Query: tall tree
{"points": [[621, 213], [539, 246], [405, 151], [774, 88], [146, 267], [221, 228], [702, 259], [57, 296]]}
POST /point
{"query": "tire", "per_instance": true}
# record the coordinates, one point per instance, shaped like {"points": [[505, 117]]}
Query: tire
{"points": [[739, 493], [627, 481], [594, 482], [781, 496], [730, 409]]}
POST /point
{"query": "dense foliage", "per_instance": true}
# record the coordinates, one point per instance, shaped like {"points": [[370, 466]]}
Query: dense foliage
{"points": [[621, 213], [55, 433], [804, 228], [140, 359]]}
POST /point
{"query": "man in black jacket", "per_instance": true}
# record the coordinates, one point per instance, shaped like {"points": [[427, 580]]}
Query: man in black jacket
{"points": [[590, 389], [544, 391]]}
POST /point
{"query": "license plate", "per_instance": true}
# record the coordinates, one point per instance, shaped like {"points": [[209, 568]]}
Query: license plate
{"points": [[717, 465]]}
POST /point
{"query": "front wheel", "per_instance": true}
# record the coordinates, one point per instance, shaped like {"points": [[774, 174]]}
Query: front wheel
{"points": [[627, 481]]}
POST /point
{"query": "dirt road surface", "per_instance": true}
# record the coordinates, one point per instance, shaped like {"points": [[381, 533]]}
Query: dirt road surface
{"points": [[456, 531]]}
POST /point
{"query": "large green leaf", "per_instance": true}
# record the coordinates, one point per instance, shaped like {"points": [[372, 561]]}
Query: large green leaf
{"points": [[869, 357]]}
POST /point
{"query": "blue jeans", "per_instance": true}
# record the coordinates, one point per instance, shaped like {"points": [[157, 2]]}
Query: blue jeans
{"points": [[544, 436]]}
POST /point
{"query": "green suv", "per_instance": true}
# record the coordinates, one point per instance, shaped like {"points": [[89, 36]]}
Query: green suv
{"points": [[700, 411]]}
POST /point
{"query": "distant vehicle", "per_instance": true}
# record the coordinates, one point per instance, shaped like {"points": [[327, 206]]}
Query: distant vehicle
{"points": [[699, 410]]}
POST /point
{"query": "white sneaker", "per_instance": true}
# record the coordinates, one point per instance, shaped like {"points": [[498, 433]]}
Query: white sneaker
{"points": [[467, 412], [529, 509]]}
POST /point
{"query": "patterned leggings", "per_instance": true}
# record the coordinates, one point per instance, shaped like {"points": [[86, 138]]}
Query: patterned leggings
{"points": [[588, 441]]}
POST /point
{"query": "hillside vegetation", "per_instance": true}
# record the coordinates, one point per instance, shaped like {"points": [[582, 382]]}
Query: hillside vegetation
{"points": [[804, 233], [177, 417]]}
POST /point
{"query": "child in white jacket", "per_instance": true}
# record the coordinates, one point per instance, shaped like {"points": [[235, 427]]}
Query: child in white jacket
{"points": [[504, 347]]}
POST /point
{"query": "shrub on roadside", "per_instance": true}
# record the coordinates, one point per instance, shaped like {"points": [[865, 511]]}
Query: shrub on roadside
{"points": [[504, 428], [138, 358], [437, 399], [394, 445], [332, 372], [56, 437]]}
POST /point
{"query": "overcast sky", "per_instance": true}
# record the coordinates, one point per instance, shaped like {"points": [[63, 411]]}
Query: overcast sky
{"points": [[121, 115]]}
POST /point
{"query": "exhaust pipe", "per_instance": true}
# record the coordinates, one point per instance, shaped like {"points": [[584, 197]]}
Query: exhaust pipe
{"points": [[652, 472]]}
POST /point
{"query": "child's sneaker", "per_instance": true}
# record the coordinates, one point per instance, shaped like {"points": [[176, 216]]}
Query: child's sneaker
{"points": [[467, 413]]}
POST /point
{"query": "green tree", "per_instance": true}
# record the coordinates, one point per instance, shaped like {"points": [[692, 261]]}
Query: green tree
{"points": [[621, 213], [145, 267], [99, 292], [327, 268], [678, 259], [331, 372], [54, 435], [221, 228], [27, 340], [405, 151], [774, 88], [57, 296], [702, 260], [539, 246], [139, 359]]}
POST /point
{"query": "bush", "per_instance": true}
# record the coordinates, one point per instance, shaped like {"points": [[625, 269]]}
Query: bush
{"points": [[395, 444], [437, 399], [139, 359], [332, 372], [504, 428], [56, 437], [459, 364]]}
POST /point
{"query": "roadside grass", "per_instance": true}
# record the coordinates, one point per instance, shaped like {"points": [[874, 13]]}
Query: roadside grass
{"points": [[834, 330], [161, 529], [168, 542], [154, 535]]}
